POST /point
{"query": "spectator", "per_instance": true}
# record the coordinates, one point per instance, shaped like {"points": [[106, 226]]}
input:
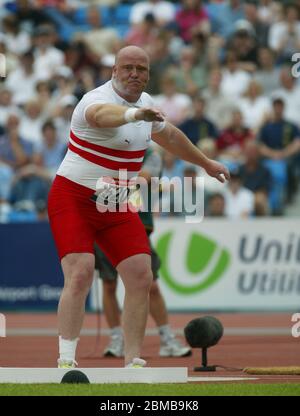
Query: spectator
{"points": [[172, 166], [267, 74], [143, 33], [6, 105], [235, 81], [261, 29], [279, 142], [78, 58], [191, 73], [85, 82], [216, 205], [44, 96], [244, 44], [192, 19], [11, 60], [176, 106], [49, 154], [22, 81], [255, 107], [160, 61], [239, 201], [163, 11], [99, 40], [284, 36], [256, 177], [223, 16], [199, 126], [219, 106], [29, 192], [31, 122], [290, 94], [174, 41], [63, 119], [270, 11], [104, 73], [47, 56], [171, 184], [17, 41], [232, 140], [63, 85], [29, 16], [14, 153]]}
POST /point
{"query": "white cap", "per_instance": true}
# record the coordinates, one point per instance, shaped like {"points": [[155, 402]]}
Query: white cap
{"points": [[245, 25], [108, 60]]}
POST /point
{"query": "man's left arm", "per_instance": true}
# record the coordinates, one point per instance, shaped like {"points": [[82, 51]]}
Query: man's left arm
{"points": [[173, 140]]}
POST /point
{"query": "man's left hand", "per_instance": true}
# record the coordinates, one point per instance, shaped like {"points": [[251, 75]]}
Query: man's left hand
{"points": [[217, 170]]}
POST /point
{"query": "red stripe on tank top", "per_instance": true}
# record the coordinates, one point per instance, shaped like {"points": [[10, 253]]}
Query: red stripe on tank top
{"points": [[127, 154], [106, 163]]}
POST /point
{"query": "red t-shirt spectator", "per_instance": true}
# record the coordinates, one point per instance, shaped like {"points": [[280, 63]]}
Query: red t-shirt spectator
{"points": [[231, 137], [188, 18]]}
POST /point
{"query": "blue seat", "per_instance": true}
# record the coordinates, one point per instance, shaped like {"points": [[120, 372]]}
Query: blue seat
{"points": [[122, 29], [122, 13], [80, 16], [22, 216]]}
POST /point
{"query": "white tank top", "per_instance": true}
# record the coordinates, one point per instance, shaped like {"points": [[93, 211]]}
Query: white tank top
{"points": [[96, 152]]}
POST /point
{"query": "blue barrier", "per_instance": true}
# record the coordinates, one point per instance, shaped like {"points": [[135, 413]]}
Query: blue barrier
{"points": [[30, 273]]}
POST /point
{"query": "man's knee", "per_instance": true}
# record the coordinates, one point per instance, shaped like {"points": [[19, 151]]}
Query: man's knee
{"points": [[80, 280], [136, 273], [142, 279], [79, 274]]}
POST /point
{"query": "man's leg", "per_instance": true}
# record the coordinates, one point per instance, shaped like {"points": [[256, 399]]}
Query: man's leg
{"points": [[137, 278], [78, 271]]}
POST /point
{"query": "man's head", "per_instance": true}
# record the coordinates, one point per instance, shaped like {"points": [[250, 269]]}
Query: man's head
{"points": [[236, 119], [251, 152], [199, 106], [130, 72], [49, 133], [216, 205]]}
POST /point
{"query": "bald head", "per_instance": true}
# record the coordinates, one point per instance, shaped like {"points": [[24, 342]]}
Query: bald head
{"points": [[130, 72], [131, 52]]}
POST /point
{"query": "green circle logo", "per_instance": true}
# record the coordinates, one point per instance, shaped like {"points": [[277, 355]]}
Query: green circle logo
{"points": [[199, 255]]}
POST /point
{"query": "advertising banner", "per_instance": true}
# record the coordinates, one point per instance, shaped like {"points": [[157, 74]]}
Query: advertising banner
{"points": [[30, 272], [230, 265]]}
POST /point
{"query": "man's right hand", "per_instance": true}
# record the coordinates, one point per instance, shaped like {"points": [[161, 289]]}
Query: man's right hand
{"points": [[149, 114]]}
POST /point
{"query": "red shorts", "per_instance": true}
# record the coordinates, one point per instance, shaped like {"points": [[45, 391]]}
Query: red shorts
{"points": [[76, 224]]}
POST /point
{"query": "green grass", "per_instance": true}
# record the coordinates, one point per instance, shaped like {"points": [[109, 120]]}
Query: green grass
{"points": [[207, 389]]}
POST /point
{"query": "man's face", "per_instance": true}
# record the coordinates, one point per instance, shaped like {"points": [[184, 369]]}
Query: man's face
{"points": [[131, 74]]}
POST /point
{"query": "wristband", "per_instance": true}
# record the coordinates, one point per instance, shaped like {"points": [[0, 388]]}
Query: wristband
{"points": [[129, 115]]}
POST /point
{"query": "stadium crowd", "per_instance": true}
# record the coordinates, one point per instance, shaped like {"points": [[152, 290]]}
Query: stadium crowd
{"points": [[224, 72]]}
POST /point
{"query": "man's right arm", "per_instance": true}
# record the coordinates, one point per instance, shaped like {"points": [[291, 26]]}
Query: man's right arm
{"points": [[113, 115]]}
